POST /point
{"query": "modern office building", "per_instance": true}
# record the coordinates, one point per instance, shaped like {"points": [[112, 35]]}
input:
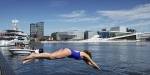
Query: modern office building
{"points": [[37, 30], [89, 34], [68, 36], [114, 33]]}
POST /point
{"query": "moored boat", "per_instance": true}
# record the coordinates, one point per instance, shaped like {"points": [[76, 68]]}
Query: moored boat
{"points": [[20, 51]]}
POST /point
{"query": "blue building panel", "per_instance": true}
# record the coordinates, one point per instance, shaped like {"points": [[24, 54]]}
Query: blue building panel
{"points": [[104, 34]]}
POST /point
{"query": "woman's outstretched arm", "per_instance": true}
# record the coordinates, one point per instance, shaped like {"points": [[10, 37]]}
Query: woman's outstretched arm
{"points": [[92, 63]]}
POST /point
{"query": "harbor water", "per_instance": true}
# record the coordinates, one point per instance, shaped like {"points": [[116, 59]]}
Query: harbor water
{"points": [[132, 58]]}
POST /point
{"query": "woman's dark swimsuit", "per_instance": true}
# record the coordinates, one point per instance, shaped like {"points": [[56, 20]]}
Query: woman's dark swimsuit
{"points": [[75, 54]]}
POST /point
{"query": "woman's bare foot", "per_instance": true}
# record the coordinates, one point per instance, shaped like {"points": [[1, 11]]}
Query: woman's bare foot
{"points": [[25, 61]]}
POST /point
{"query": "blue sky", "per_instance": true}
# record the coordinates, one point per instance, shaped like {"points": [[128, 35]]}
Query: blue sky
{"points": [[66, 15]]}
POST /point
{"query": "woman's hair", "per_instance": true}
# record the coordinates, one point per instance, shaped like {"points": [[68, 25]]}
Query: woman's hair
{"points": [[88, 53]]}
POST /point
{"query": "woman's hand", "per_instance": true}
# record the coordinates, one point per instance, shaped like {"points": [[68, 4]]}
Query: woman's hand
{"points": [[90, 62], [96, 67]]}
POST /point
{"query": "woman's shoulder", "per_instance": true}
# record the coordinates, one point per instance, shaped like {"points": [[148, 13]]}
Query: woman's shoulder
{"points": [[83, 54]]}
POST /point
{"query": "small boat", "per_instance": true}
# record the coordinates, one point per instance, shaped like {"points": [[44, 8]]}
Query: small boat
{"points": [[21, 51]]}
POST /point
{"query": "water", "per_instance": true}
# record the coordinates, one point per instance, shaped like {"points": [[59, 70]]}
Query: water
{"points": [[113, 58]]}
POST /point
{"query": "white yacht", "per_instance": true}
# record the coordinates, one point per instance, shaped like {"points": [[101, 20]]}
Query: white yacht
{"points": [[11, 37]]}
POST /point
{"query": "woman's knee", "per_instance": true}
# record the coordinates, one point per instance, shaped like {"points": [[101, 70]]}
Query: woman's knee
{"points": [[51, 56]]}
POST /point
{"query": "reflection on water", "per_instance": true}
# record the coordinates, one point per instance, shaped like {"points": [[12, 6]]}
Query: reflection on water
{"points": [[113, 58], [4, 50]]}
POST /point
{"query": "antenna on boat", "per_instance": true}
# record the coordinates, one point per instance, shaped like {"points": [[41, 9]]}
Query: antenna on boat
{"points": [[14, 24]]}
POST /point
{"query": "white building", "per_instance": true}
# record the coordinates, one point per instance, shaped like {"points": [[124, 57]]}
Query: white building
{"points": [[143, 36], [70, 35], [118, 29]]}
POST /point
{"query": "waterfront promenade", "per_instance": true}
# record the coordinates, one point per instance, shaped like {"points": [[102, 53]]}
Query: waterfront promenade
{"points": [[5, 68]]}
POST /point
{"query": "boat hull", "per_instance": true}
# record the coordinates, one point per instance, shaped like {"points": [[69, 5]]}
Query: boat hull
{"points": [[20, 51], [4, 43]]}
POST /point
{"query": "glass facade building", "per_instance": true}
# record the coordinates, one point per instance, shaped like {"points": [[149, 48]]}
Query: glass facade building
{"points": [[89, 34], [37, 29], [68, 36]]}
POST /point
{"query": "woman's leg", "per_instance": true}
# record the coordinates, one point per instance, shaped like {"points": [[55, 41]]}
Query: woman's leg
{"points": [[38, 56], [50, 56], [61, 53]]}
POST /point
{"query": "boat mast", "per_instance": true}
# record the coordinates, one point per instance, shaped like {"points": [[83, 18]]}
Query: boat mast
{"points": [[14, 24]]}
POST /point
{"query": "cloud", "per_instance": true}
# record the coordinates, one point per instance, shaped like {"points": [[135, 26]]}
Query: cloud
{"points": [[78, 16], [83, 19], [74, 14], [139, 12], [138, 16]]}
